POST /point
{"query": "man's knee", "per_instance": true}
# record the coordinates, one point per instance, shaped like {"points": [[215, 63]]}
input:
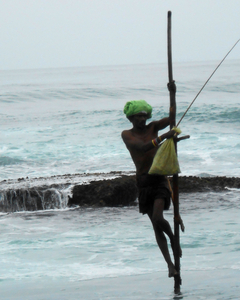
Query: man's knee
{"points": [[157, 214], [158, 221]]}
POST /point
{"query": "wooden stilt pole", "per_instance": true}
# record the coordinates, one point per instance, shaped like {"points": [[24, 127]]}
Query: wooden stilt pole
{"points": [[172, 115]]}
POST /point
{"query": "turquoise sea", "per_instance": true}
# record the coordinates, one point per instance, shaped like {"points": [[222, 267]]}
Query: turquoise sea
{"points": [[69, 121]]}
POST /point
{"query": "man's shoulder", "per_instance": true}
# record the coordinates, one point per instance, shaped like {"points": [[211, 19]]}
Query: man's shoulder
{"points": [[151, 124], [127, 131], [127, 134]]}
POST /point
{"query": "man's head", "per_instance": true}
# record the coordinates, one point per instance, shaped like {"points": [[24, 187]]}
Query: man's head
{"points": [[135, 107]]}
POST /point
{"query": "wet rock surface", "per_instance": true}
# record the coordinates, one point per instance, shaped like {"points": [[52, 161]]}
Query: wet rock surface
{"points": [[34, 198], [192, 184], [94, 190], [114, 192], [123, 191]]}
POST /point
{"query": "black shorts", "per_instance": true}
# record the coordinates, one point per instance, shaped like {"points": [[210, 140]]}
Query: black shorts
{"points": [[152, 187]]}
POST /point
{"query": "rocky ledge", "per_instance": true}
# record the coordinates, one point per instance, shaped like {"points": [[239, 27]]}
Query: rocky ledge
{"points": [[95, 190], [123, 190], [120, 191]]}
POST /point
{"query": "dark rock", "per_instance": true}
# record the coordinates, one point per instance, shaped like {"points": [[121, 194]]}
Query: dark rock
{"points": [[113, 192], [120, 191], [123, 191], [193, 184]]}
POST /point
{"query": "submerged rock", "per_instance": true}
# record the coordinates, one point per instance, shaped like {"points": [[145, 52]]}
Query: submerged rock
{"points": [[34, 198]]}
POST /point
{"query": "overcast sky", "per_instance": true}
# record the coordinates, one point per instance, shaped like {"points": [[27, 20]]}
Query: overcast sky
{"points": [[72, 33]]}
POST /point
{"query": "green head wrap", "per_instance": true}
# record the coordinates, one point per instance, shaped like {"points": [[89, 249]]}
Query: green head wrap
{"points": [[136, 106]]}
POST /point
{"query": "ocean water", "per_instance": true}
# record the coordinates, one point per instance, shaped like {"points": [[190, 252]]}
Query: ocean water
{"points": [[69, 121]]}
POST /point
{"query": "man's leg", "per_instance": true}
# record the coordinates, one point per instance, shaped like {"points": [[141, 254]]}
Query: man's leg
{"points": [[162, 226]]}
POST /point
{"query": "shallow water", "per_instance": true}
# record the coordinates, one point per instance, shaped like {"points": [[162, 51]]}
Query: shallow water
{"points": [[83, 250]]}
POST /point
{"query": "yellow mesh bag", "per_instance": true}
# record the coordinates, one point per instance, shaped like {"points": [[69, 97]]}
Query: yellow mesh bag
{"points": [[165, 161]]}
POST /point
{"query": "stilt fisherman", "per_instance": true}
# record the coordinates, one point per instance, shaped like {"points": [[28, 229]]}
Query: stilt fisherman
{"points": [[154, 195]]}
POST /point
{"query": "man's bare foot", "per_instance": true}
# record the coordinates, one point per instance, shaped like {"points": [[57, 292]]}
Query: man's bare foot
{"points": [[172, 271]]}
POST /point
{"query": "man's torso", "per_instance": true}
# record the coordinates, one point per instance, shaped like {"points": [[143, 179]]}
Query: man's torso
{"points": [[142, 160]]}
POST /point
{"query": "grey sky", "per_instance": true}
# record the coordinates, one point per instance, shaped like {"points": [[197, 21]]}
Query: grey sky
{"points": [[68, 33]]}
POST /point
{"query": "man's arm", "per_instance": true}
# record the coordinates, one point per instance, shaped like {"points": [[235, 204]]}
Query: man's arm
{"points": [[134, 143], [172, 111], [161, 124]]}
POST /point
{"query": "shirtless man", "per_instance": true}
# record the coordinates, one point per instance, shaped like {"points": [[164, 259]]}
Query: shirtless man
{"points": [[154, 195]]}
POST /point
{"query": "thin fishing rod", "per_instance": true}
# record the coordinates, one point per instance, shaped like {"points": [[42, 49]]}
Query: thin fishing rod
{"points": [[206, 82]]}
